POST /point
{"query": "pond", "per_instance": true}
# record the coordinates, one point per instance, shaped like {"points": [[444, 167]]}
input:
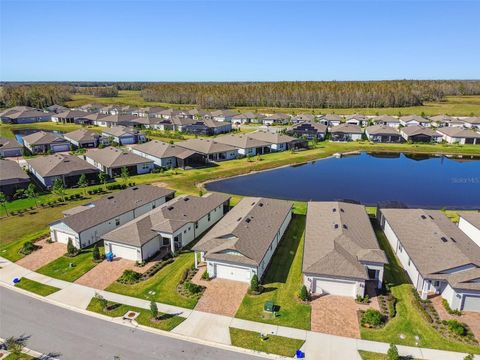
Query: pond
{"points": [[19, 134], [415, 181]]}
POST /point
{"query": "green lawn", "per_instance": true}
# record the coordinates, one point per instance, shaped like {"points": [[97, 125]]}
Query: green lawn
{"points": [[23, 357], [11, 250], [61, 268], [36, 287], [274, 344], [407, 321], [162, 287], [282, 283], [167, 323]]}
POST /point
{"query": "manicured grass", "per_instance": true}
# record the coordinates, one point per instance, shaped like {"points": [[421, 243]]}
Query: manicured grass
{"points": [[407, 321], [368, 355], [11, 250], [61, 269], [36, 287], [167, 323], [162, 287], [6, 129], [23, 357], [274, 344], [282, 284]]}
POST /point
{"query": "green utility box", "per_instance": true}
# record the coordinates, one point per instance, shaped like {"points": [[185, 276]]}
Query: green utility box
{"points": [[268, 306]]}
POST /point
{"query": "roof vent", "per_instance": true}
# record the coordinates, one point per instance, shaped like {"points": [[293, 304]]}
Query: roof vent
{"points": [[135, 188], [345, 226], [423, 217], [260, 204], [253, 203], [110, 197], [170, 208], [334, 210], [239, 219], [444, 239], [335, 226], [430, 216], [453, 239], [248, 220], [186, 199], [342, 210]]}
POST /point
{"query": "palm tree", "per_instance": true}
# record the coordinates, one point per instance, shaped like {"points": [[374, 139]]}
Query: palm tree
{"points": [[31, 193], [3, 202]]}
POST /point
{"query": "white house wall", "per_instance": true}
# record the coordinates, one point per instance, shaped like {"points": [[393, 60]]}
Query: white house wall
{"points": [[166, 162], [471, 231]]}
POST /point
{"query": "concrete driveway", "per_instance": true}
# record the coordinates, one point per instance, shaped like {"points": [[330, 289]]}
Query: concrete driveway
{"points": [[222, 297], [43, 256]]}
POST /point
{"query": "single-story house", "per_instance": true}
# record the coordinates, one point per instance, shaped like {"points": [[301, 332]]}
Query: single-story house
{"points": [[416, 133], [222, 115], [163, 113], [10, 147], [167, 228], [211, 149], [308, 130], [414, 120], [278, 141], [43, 142], [86, 224], [330, 120], [247, 146], [24, 115], [383, 134], [444, 121], [469, 223], [357, 119], [118, 119], [68, 168], [243, 242], [68, 116], [471, 122], [166, 155], [111, 160], [275, 119], [341, 254], [213, 127], [457, 135], [123, 135], [248, 117], [386, 120], [437, 256], [94, 108], [57, 109], [146, 111], [83, 138], [346, 132], [92, 119], [301, 118], [12, 177]]}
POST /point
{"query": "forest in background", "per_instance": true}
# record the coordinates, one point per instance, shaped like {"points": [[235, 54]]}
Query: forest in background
{"points": [[307, 94]]}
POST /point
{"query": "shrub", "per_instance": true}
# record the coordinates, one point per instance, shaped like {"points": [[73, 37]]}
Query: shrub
{"points": [[254, 286], [184, 276], [130, 277], [456, 327], [371, 317], [103, 302], [447, 307], [469, 357], [205, 275], [191, 287], [96, 253], [28, 247], [417, 303], [304, 295], [392, 353], [71, 250], [153, 309]]}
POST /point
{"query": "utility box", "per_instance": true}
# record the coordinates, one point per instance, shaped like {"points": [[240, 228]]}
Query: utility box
{"points": [[268, 306]]}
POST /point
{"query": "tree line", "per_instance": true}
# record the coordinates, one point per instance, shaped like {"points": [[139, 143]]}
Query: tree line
{"points": [[37, 96], [98, 91]]}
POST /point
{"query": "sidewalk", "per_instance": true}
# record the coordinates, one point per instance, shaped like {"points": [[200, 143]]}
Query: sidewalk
{"points": [[215, 328]]}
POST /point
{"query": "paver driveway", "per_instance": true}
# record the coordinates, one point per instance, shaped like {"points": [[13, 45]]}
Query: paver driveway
{"points": [[222, 297], [43, 256]]}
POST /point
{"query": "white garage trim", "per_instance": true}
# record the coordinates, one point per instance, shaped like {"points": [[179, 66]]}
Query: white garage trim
{"points": [[123, 251], [334, 287], [230, 272], [471, 303]]}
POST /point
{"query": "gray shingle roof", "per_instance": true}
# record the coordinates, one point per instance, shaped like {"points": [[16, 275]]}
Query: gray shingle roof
{"points": [[273, 138], [60, 164], [161, 150], [247, 230], [82, 135], [6, 144], [12, 173], [458, 132], [241, 141], [419, 130], [115, 157], [109, 207], [205, 146], [346, 129], [338, 239], [381, 130], [42, 138], [119, 131]]}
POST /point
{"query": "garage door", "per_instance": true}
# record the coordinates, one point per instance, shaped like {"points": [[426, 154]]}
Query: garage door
{"points": [[63, 237], [471, 303], [58, 148], [122, 251], [334, 287], [232, 273]]}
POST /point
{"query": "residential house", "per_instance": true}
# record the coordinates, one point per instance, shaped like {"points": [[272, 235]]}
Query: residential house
{"points": [[111, 160], [437, 256], [414, 120], [86, 224], [57, 109], [416, 133], [67, 168], [278, 141], [471, 122], [83, 138], [211, 149], [457, 135], [469, 223], [341, 255], [356, 119], [92, 119], [247, 146], [44, 142], [346, 132], [276, 119], [12, 177], [118, 119], [301, 118], [213, 127], [68, 116], [242, 243], [308, 130], [248, 117], [146, 111], [386, 120], [166, 155], [10, 147], [93, 108], [24, 115], [444, 121], [330, 120], [223, 115], [383, 134], [123, 135], [167, 228]]}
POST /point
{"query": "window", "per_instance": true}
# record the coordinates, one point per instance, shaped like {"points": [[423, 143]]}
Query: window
{"points": [[400, 249], [408, 262], [196, 225], [154, 206], [436, 283], [117, 222], [209, 216]]}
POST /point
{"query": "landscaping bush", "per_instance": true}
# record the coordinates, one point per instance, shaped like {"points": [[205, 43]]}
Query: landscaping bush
{"points": [[447, 307], [96, 253], [154, 309], [254, 286], [184, 276], [362, 300], [469, 357], [205, 275], [392, 353], [28, 247], [456, 327], [103, 302], [129, 277], [191, 287], [304, 295], [371, 318], [417, 304], [392, 309], [71, 250]]}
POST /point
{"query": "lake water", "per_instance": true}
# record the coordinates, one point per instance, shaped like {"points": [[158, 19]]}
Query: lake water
{"points": [[19, 134], [371, 179]]}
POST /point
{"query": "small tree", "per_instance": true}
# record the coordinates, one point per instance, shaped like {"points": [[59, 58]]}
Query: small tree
{"points": [[102, 177], [3, 202], [14, 346], [154, 309], [125, 175], [83, 183], [19, 194], [254, 286], [469, 357], [32, 193], [103, 302], [71, 250], [96, 252], [392, 352], [58, 188], [304, 295]]}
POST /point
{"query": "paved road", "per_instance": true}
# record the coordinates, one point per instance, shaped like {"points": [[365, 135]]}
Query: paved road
{"points": [[77, 336]]}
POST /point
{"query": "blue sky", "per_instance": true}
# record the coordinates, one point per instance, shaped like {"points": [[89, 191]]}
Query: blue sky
{"points": [[227, 40]]}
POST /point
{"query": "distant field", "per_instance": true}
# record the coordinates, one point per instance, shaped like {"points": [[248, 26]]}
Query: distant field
{"points": [[453, 105]]}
